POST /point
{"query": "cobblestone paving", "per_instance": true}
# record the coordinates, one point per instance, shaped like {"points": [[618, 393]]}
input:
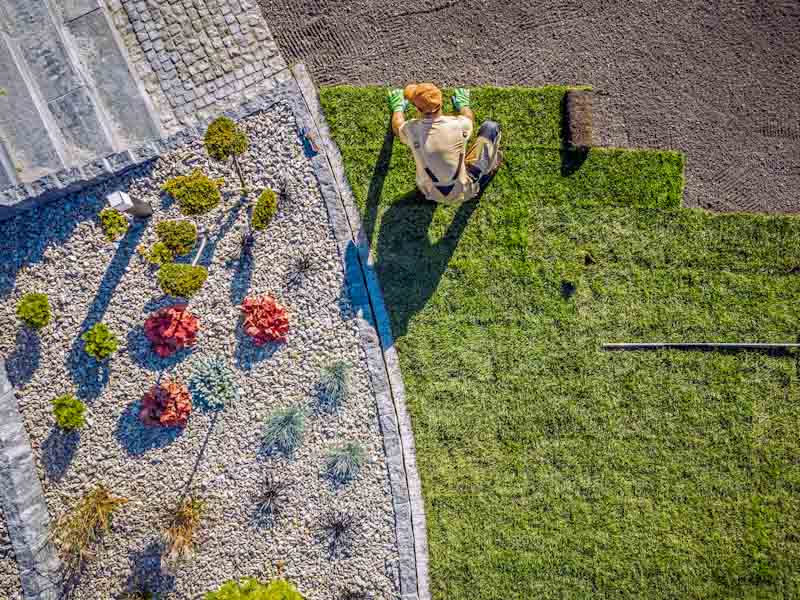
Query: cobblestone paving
{"points": [[198, 58]]}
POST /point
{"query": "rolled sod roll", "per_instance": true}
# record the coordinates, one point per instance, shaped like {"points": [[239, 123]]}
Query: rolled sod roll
{"points": [[578, 119]]}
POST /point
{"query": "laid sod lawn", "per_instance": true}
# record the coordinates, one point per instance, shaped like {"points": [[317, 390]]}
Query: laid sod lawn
{"points": [[553, 469]]}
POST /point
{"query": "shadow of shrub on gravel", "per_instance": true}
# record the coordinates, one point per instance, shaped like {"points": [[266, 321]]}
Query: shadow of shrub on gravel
{"points": [[146, 575], [136, 438], [248, 355], [58, 450], [23, 361]]}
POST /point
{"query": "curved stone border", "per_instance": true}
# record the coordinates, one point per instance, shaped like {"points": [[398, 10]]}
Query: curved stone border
{"points": [[23, 502], [376, 335], [23, 499]]}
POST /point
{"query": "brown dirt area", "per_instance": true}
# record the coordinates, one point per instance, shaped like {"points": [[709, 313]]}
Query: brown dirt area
{"points": [[717, 79]]}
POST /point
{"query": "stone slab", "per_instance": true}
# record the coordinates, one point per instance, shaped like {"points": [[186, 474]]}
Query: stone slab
{"points": [[130, 118], [48, 63], [72, 9], [22, 126], [84, 134], [20, 17]]}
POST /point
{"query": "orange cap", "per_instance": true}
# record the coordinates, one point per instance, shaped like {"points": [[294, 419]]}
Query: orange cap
{"points": [[425, 96]]}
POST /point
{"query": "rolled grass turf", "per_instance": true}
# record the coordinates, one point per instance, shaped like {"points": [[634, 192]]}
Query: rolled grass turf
{"points": [[552, 469]]}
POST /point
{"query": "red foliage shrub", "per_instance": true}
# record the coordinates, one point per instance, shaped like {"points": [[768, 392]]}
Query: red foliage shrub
{"points": [[265, 320], [171, 329], [167, 405]]}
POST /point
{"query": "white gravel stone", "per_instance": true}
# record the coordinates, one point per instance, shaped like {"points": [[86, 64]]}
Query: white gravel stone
{"points": [[61, 250]]}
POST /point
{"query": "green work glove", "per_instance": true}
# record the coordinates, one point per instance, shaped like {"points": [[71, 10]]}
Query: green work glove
{"points": [[461, 99], [397, 103]]}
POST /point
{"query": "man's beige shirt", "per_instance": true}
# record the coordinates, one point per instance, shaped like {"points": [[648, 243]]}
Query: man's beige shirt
{"points": [[438, 144]]}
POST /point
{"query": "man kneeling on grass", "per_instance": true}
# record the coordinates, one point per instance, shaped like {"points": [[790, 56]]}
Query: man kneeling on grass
{"points": [[446, 171]]}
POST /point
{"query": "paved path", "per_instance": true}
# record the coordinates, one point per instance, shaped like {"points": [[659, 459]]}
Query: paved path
{"points": [[716, 79]]}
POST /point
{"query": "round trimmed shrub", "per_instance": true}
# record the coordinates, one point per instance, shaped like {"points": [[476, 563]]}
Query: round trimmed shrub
{"points": [[196, 193], [178, 236], [99, 342], [159, 254], [113, 222], [69, 412], [34, 310], [181, 281], [213, 383], [224, 139], [266, 207], [251, 589]]}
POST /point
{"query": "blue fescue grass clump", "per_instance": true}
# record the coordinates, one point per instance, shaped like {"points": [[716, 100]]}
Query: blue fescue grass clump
{"points": [[334, 385], [284, 429], [212, 383], [344, 463]]}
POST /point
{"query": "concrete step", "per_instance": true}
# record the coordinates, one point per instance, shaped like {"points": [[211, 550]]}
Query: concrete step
{"points": [[70, 93]]}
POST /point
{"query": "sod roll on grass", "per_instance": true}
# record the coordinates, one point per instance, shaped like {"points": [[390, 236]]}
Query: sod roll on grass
{"points": [[552, 468]]}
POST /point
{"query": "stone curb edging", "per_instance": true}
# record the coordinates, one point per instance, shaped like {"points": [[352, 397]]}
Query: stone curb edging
{"points": [[23, 502], [297, 91], [378, 342]]}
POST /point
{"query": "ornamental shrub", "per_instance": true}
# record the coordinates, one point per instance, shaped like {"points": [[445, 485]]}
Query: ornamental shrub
{"points": [[69, 412], [196, 193], [166, 405], [178, 236], [213, 383], [159, 254], [179, 537], [181, 281], [171, 329], [344, 463], [334, 384], [77, 532], [284, 429], [113, 222], [34, 310], [99, 342], [266, 207], [265, 320], [225, 140], [251, 589]]}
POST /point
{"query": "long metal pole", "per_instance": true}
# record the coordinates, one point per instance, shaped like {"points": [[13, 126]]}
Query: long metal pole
{"points": [[699, 346]]}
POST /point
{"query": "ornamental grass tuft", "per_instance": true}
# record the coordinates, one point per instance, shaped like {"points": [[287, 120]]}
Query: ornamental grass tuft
{"points": [[284, 429]]}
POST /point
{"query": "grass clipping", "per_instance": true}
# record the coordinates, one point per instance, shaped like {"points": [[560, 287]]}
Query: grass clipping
{"points": [[77, 532]]}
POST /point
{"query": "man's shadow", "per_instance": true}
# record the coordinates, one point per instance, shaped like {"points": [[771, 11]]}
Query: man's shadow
{"points": [[409, 266]]}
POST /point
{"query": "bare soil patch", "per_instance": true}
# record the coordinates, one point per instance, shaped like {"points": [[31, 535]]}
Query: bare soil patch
{"points": [[717, 80]]}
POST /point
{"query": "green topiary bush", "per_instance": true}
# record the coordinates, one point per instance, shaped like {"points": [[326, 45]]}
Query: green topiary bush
{"points": [[34, 310], [266, 207], [159, 254], [196, 193], [250, 589], [178, 236], [113, 222], [69, 412], [284, 429], [99, 342], [181, 281], [225, 140]]}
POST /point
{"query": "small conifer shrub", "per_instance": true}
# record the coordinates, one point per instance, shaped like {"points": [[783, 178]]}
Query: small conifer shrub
{"points": [[195, 193], [251, 589], [284, 429], [113, 222], [69, 412], [225, 140], [159, 254], [178, 236], [213, 383], [99, 342], [34, 310], [180, 280], [344, 463], [265, 209]]}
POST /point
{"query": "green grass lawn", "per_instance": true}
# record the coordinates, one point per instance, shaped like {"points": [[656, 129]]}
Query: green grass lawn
{"points": [[552, 469]]}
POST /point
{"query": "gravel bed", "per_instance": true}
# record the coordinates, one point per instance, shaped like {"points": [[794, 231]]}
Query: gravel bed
{"points": [[62, 251], [9, 577]]}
